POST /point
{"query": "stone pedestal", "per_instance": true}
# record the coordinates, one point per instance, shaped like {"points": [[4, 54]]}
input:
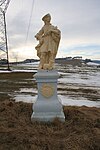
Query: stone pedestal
{"points": [[47, 106]]}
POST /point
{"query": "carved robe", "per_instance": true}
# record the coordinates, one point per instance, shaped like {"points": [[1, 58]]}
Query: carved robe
{"points": [[49, 38]]}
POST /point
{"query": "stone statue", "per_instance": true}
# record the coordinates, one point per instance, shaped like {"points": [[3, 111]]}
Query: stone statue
{"points": [[49, 38]]}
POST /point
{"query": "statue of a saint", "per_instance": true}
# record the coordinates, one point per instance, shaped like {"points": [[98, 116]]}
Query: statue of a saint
{"points": [[49, 38]]}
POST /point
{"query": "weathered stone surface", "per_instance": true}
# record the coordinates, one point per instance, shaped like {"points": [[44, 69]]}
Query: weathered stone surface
{"points": [[49, 38], [47, 106]]}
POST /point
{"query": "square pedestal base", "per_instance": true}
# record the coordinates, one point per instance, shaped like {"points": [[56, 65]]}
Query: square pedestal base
{"points": [[47, 106], [47, 117]]}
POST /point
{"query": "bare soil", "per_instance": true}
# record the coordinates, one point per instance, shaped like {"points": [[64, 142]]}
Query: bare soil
{"points": [[80, 131]]}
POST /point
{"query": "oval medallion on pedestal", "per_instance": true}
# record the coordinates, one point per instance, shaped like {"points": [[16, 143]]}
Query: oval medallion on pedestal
{"points": [[47, 90]]}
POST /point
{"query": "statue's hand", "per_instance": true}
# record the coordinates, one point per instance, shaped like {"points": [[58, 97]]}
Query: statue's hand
{"points": [[36, 37], [48, 32]]}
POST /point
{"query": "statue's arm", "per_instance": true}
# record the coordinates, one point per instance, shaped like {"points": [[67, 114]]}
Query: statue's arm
{"points": [[57, 31], [56, 34], [54, 30], [39, 34]]}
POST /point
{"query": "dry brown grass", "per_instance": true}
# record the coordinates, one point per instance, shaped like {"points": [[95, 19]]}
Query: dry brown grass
{"points": [[80, 131]]}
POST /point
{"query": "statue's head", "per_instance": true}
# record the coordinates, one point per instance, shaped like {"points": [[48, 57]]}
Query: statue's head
{"points": [[47, 18]]}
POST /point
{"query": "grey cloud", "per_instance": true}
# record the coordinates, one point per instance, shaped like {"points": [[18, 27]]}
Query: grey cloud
{"points": [[75, 18]]}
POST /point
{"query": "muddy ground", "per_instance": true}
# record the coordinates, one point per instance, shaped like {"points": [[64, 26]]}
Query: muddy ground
{"points": [[14, 84], [10, 83]]}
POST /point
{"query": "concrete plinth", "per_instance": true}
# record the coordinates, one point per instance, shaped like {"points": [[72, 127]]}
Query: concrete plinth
{"points": [[47, 106]]}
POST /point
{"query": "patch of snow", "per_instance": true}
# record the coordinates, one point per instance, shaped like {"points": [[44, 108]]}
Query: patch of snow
{"points": [[25, 98], [62, 73], [66, 101], [24, 70], [30, 90], [33, 63], [93, 64], [88, 80], [3, 71]]}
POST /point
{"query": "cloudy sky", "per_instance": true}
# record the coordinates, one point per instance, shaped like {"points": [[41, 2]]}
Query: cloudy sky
{"points": [[78, 20]]}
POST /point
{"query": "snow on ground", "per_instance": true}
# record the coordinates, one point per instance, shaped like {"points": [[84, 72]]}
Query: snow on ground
{"points": [[70, 77], [65, 100], [24, 70], [84, 80], [33, 63], [4, 71], [15, 71], [29, 90], [25, 98], [93, 64], [81, 79]]}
